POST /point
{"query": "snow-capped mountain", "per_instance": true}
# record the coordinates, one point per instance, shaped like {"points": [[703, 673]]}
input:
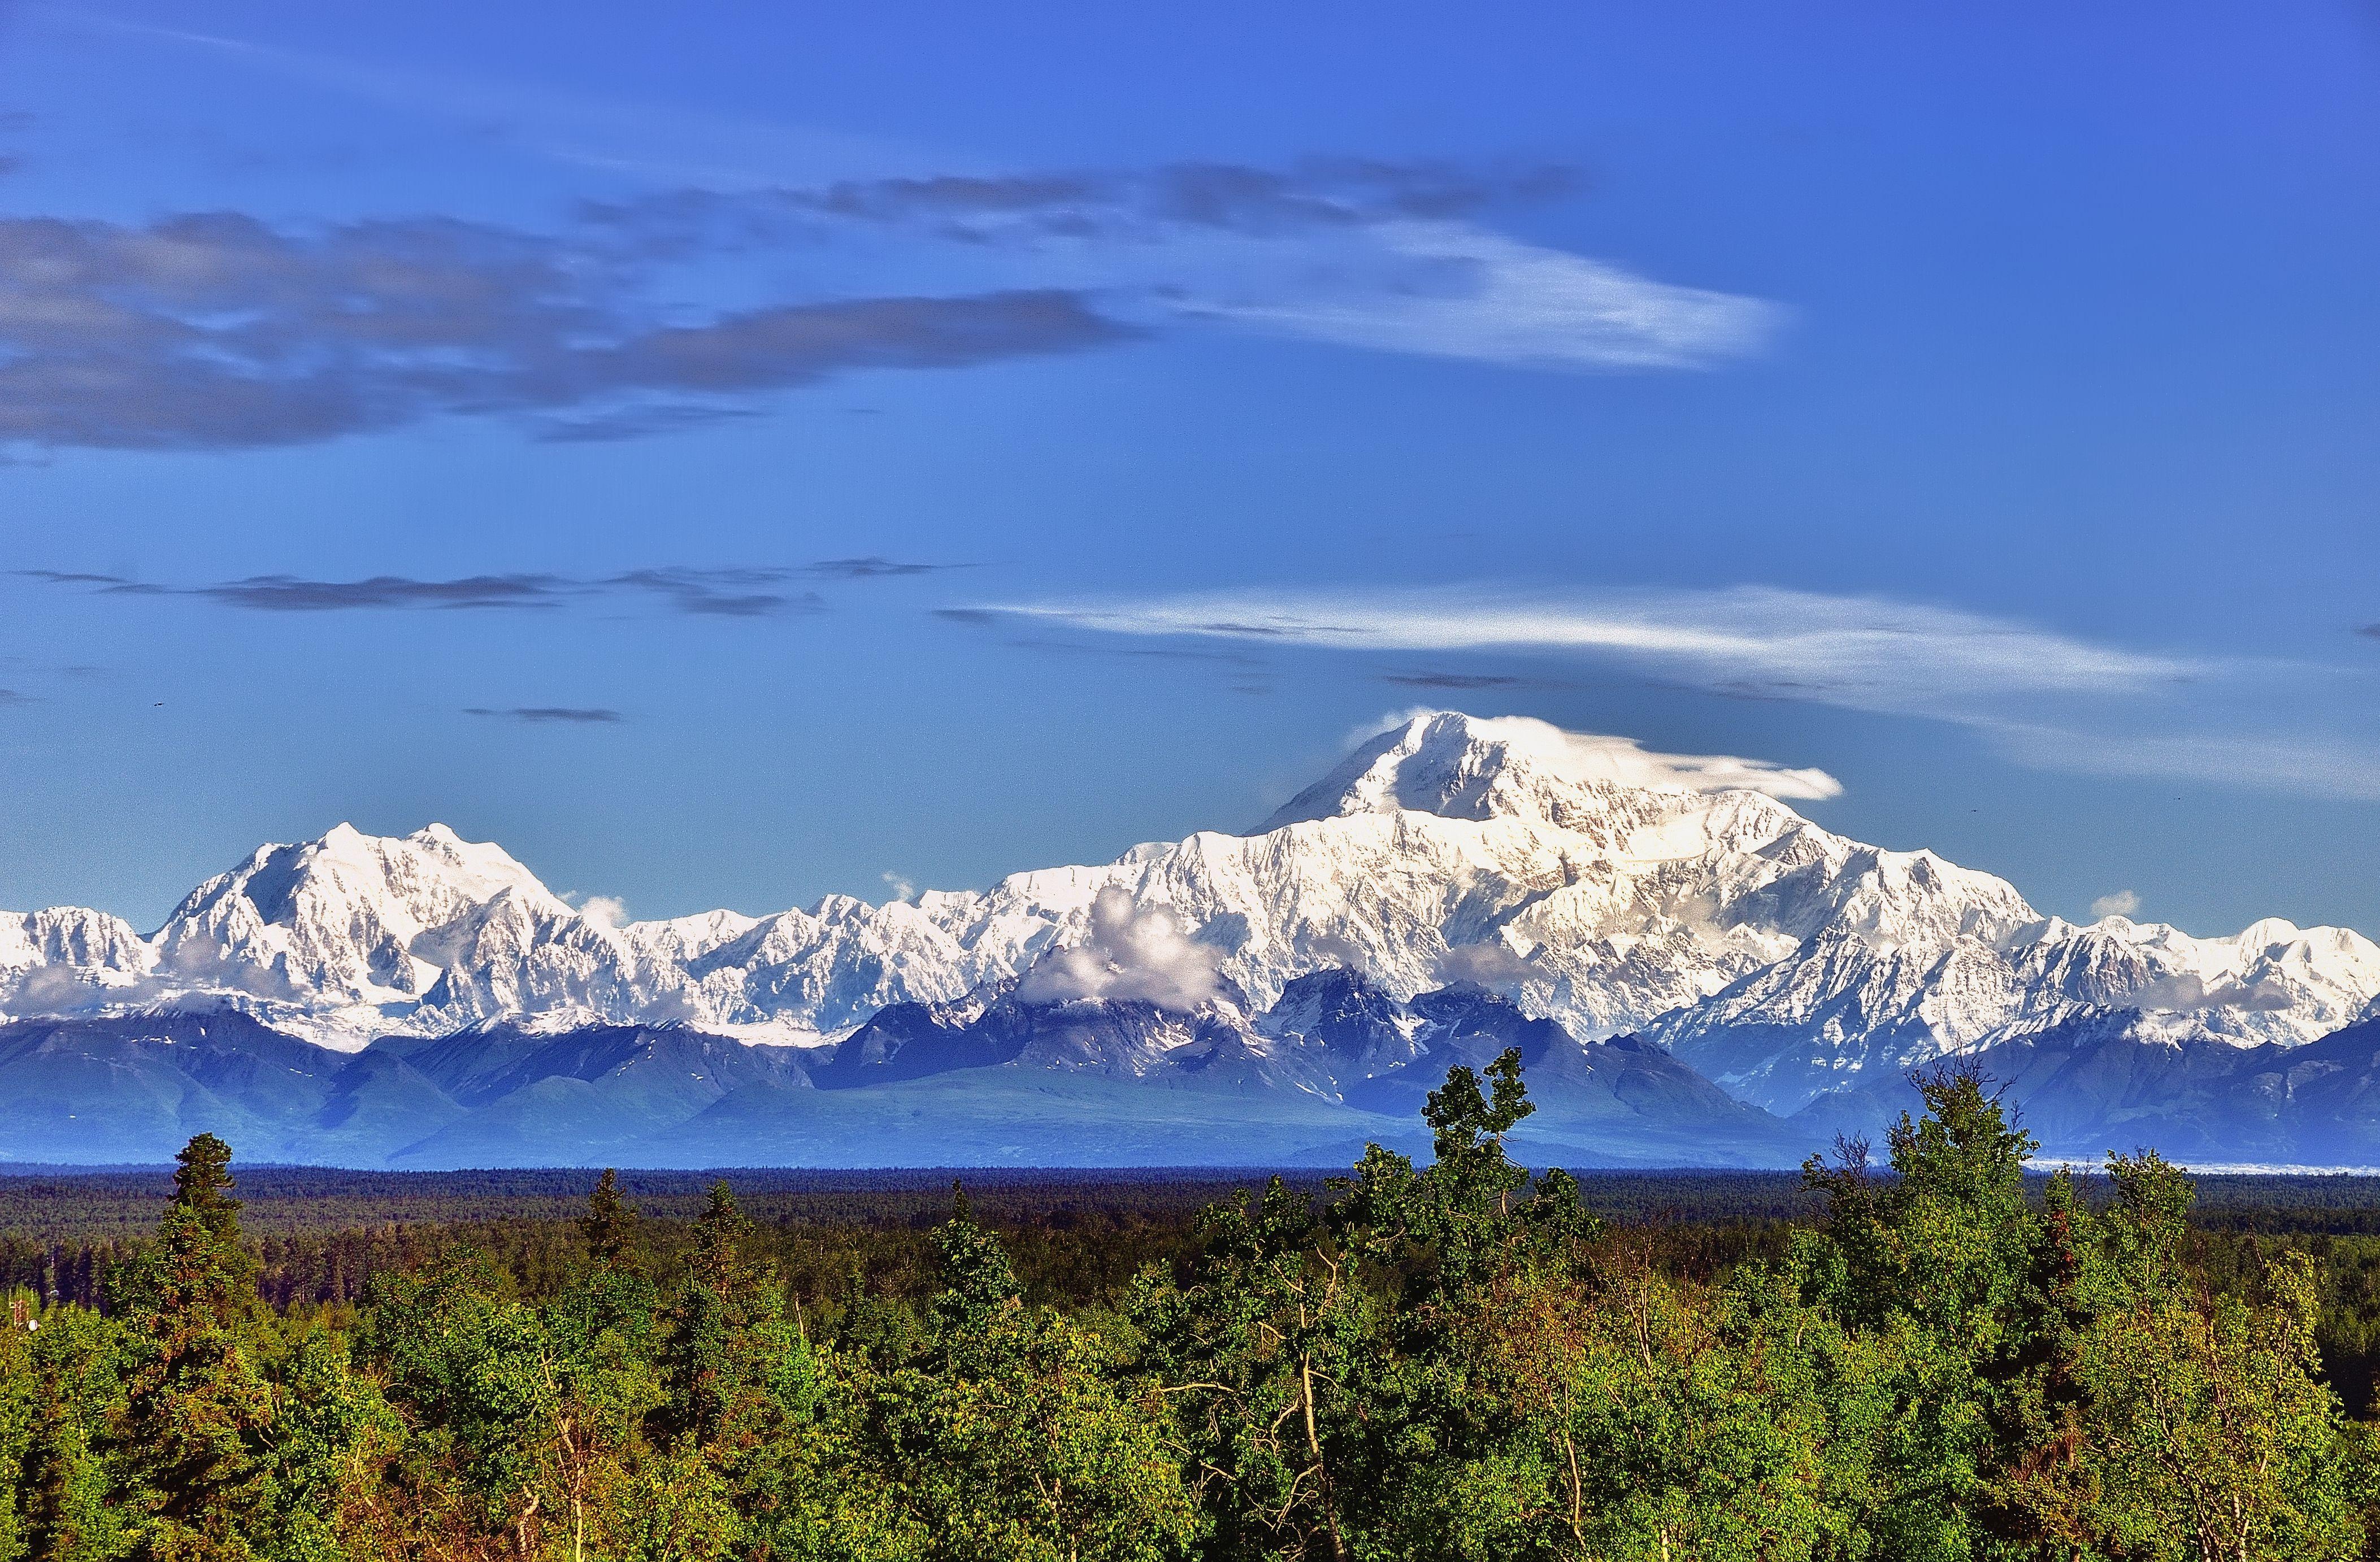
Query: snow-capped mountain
{"points": [[1611, 889]]}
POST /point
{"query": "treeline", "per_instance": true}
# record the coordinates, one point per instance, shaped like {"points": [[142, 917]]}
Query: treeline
{"points": [[66, 1203], [1452, 1360]]}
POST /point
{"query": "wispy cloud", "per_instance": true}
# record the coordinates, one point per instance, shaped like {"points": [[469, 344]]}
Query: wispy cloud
{"points": [[2123, 902], [1394, 257], [666, 313], [2265, 761], [1460, 291], [2047, 699], [741, 592], [1046, 209], [1862, 652], [550, 715], [1103, 646], [616, 135]]}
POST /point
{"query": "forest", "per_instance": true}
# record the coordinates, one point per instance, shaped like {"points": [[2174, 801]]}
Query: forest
{"points": [[1923, 1352]]}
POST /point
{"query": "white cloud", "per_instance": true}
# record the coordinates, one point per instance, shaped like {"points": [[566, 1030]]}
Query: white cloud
{"points": [[1863, 653], [2265, 762], [2050, 700], [1325, 252], [604, 910], [1135, 953], [2123, 902], [1493, 967], [902, 889], [2188, 993], [1457, 290], [1598, 757]]}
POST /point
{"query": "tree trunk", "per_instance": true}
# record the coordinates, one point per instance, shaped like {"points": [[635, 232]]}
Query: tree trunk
{"points": [[1314, 1448]]}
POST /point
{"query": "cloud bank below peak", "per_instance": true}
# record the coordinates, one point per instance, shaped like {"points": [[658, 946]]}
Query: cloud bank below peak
{"points": [[1133, 953]]}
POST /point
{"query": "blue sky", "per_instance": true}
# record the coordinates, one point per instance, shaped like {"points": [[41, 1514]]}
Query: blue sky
{"points": [[791, 452]]}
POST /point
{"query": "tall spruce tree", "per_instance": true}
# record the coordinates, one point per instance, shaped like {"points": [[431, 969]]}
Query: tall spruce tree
{"points": [[733, 1371], [197, 1412], [610, 1224]]}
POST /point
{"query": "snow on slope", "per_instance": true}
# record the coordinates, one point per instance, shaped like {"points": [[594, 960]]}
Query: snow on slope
{"points": [[1609, 887]]}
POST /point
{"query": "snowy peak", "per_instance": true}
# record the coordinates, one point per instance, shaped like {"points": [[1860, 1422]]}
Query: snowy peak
{"points": [[1461, 767], [413, 882], [349, 918], [1585, 879]]}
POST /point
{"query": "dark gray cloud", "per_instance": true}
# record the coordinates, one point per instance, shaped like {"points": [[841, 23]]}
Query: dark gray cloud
{"points": [[2371, 629], [540, 715], [1453, 682], [218, 330], [1239, 197], [286, 593], [724, 593], [719, 593], [12, 697], [876, 568]]}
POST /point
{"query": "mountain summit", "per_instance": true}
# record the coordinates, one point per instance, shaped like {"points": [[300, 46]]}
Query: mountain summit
{"points": [[1589, 880], [1462, 767]]}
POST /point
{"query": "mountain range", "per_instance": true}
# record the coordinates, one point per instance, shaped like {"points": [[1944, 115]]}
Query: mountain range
{"points": [[1694, 973]]}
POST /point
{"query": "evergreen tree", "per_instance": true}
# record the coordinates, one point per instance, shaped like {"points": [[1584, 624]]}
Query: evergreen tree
{"points": [[979, 1285], [610, 1224], [1443, 1361], [197, 1412], [739, 1383]]}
